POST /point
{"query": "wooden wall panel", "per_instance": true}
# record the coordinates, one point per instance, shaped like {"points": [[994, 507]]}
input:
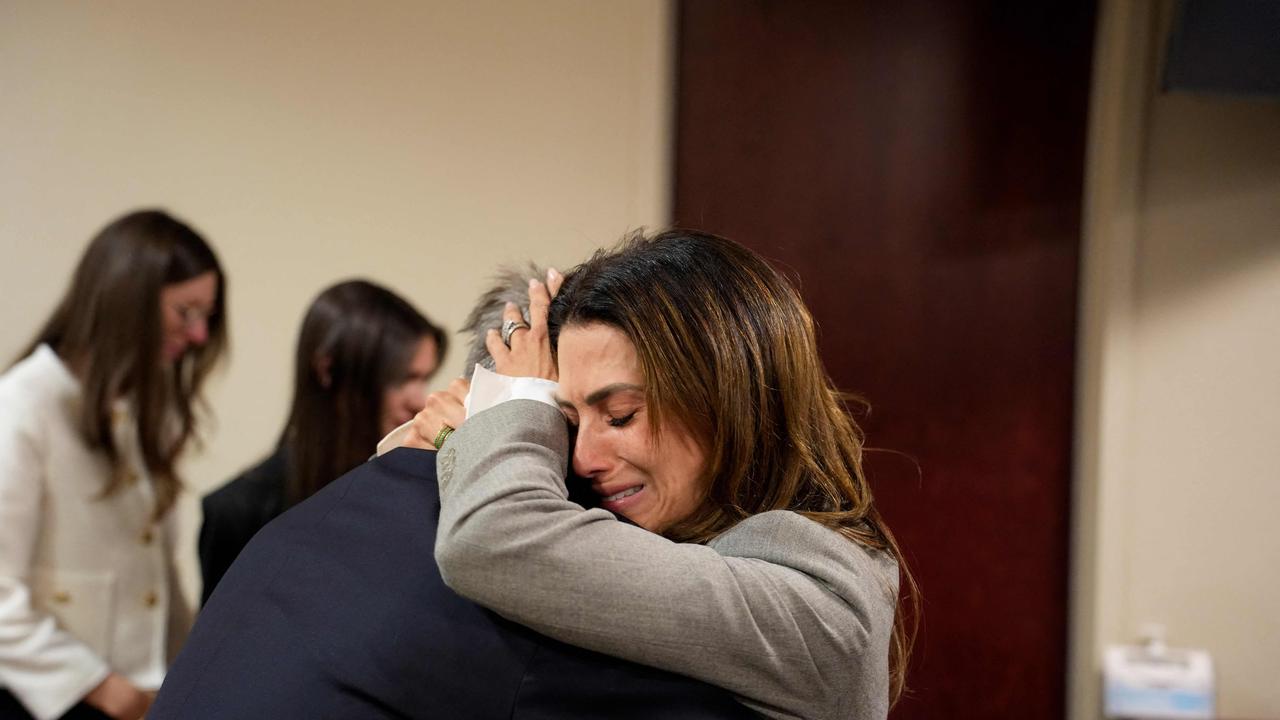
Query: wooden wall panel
{"points": [[918, 167]]}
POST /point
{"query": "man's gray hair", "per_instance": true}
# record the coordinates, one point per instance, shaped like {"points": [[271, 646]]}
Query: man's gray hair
{"points": [[511, 284]]}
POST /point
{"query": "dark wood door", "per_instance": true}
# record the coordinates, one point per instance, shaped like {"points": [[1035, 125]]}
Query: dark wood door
{"points": [[918, 168]]}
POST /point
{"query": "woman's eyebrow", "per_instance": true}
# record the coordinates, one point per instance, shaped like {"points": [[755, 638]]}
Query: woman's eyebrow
{"points": [[602, 394]]}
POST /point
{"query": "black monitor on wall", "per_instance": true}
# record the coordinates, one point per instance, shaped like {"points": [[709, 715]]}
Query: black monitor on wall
{"points": [[1224, 46]]}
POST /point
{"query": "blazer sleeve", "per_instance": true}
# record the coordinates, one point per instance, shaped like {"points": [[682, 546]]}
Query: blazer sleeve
{"points": [[45, 667], [233, 514], [763, 623], [215, 547]]}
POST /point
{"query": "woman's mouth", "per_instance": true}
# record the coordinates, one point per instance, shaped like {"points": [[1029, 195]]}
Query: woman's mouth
{"points": [[625, 493], [620, 501]]}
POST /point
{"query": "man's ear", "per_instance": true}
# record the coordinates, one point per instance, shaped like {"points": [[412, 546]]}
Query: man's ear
{"points": [[321, 366]]}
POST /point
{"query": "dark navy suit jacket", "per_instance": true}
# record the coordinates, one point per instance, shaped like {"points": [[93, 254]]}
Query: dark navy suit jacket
{"points": [[336, 610]]}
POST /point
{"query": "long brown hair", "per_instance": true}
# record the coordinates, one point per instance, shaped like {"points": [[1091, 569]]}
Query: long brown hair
{"points": [[108, 328], [356, 340], [728, 350]]}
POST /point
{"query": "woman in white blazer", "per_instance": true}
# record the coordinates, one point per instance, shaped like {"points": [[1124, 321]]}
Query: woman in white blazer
{"points": [[92, 422]]}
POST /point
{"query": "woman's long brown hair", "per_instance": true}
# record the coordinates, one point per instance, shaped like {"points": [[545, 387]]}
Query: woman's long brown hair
{"points": [[728, 351], [356, 340], [108, 329]]}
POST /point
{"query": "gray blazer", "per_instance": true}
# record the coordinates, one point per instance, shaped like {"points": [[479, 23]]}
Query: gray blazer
{"points": [[783, 612]]}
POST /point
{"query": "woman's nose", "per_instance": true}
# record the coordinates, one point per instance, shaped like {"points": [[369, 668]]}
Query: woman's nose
{"points": [[198, 332], [415, 395], [589, 458]]}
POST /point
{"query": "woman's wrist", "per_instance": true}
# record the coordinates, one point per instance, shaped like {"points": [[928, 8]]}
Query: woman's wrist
{"points": [[488, 389]]}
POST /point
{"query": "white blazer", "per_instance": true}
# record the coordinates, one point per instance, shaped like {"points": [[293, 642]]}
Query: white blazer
{"points": [[86, 582]]}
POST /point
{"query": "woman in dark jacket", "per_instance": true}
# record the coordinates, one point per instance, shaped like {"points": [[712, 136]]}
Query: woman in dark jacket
{"points": [[363, 360]]}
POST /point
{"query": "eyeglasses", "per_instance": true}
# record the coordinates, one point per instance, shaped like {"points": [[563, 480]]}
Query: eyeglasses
{"points": [[192, 316]]}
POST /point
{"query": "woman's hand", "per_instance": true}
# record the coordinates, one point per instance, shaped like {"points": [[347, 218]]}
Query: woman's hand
{"points": [[118, 698], [530, 352], [442, 408]]}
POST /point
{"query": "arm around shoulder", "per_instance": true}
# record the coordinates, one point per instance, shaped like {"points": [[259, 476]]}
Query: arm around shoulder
{"points": [[759, 613]]}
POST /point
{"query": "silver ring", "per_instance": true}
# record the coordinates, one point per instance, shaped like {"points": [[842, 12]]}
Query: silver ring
{"points": [[509, 327]]}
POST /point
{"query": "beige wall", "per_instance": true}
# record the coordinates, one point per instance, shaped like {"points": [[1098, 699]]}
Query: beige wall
{"points": [[420, 143], [1178, 459], [415, 143]]}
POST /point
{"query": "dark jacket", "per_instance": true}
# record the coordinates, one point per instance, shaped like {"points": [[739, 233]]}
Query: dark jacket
{"points": [[336, 610], [235, 512]]}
